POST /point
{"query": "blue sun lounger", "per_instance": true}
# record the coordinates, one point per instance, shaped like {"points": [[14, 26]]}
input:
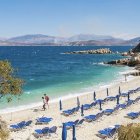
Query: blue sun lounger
{"points": [[108, 111], [80, 122], [86, 106], [71, 123], [52, 130], [133, 115], [130, 102], [108, 132], [90, 118], [110, 98], [121, 106], [43, 120], [70, 111], [45, 131], [21, 125], [124, 94], [41, 132]]}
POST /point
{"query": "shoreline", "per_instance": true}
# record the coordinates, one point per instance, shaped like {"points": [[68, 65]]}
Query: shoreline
{"points": [[97, 88]]}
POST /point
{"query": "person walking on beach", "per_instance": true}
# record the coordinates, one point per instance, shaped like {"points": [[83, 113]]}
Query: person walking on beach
{"points": [[47, 99], [44, 103]]}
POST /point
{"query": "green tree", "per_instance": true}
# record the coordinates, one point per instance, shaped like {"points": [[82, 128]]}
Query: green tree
{"points": [[10, 86], [9, 83]]}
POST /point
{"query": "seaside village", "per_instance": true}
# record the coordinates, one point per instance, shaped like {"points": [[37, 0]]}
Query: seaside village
{"points": [[112, 113]]}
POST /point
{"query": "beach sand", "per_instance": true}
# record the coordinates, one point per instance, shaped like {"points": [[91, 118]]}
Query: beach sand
{"points": [[87, 130]]}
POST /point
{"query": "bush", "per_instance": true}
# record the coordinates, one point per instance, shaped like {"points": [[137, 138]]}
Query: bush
{"points": [[4, 132], [129, 132]]}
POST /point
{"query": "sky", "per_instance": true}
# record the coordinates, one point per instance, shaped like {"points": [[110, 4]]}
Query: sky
{"points": [[119, 18]]}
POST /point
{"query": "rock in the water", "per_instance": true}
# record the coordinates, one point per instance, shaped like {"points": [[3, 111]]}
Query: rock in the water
{"points": [[98, 51]]}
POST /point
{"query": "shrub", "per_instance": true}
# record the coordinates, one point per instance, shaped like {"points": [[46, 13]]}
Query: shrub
{"points": [[4, 132], [129, 132]]}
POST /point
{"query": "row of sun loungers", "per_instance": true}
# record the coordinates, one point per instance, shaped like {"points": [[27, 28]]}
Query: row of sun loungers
{"points": [[23, 124]]}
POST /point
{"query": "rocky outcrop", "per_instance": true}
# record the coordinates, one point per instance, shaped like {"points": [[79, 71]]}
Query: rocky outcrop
{"points": [[119, 62], [136, 49], [98, 51]]}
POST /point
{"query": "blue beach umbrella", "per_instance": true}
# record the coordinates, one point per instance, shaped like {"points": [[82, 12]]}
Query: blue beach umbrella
{"points": [[60, 105], [73, 133], [100, 103], [107, 92], [78, 102], [128, 96], [82, 110], [118, 98], [64, 132], [119, 90], [94, 96]]}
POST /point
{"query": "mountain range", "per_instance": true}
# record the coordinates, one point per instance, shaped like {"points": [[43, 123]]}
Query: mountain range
{"points": [[77, 40]]}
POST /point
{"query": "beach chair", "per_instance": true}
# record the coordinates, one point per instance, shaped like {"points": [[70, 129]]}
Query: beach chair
{"points": [[18, 126], [108, 132], [41, 132], [67, 112], [137, 99], [80, 123], [86, 106], [99, 115], [90, 118], [77, 108], [124, 94], [133, 115], [52, 130], [28, 122], [130, 102], [121, 106], [93, 104], [99, 100], [70, 111], [71, 123], [43, 120], [110, 98], [108, 111]]}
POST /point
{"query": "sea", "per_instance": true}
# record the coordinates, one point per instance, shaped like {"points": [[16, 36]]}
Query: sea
{"points": [[47, 69]]}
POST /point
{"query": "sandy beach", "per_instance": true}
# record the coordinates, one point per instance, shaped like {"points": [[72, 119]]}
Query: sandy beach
{"points": [[87, 131]]}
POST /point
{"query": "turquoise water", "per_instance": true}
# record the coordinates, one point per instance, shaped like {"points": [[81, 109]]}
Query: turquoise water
{"points": [[48, 70]]}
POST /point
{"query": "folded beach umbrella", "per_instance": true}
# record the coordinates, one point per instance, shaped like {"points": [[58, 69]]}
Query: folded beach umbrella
{"points": [[82, 110], [107, 92], [73, 133], [119, 90], [60, 105], [118, 99], [94, 96], [64, 132], [128, 96], [100, 103], [78, 102]]}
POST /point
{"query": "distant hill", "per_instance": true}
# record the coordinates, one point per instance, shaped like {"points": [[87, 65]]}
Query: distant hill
{"points": [[77, 40]]}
